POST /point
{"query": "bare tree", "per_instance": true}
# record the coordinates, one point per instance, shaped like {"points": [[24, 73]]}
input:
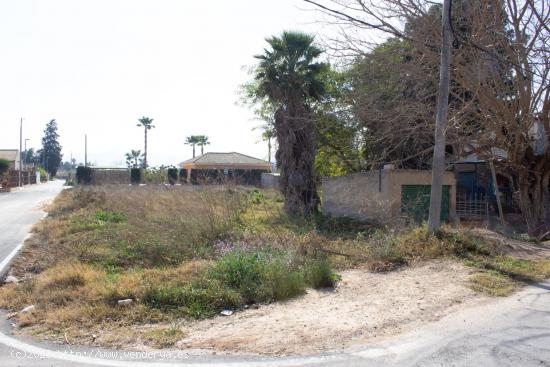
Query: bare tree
{"points": [[501, 62]]}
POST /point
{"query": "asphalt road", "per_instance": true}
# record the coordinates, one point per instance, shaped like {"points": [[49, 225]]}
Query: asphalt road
{"points": [[19, 210], [512, 331]]}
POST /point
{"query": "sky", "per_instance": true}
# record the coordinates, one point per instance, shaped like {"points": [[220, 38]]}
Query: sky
{"points": [[96, 66]]}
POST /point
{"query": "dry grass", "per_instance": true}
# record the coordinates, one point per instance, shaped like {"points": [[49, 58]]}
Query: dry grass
{"points": [[163, 248], [190, 251], [493, 284]]}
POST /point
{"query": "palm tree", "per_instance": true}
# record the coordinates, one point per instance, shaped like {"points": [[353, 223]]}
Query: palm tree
{"points": [[193, 141], [202, 141], [265, 113], [289, 77], [147, 124], [268, 135], [132, 158]]}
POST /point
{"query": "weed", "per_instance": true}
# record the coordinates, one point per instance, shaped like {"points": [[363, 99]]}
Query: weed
{"points": [[492, 283], [110, 217]]}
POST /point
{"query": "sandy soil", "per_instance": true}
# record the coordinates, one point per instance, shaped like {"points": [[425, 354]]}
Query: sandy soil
{"points": [[364, 306], [512, 247]]}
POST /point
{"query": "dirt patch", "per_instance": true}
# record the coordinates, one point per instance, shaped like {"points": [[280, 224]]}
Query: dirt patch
{"points": [[512, 247], [364, 306]]}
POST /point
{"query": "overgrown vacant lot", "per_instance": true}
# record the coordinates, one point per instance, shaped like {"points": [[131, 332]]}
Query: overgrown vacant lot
{"points": [[185, 253]]}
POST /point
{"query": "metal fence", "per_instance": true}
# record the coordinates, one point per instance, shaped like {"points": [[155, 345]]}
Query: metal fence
{"points": [[472, 205]]}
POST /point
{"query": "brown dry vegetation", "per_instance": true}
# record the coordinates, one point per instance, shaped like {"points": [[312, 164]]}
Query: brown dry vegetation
{"points": [[182, 253]]}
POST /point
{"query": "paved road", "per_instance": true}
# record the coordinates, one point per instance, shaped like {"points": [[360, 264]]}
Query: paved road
{"points": [[512, 331], [19, 210]]}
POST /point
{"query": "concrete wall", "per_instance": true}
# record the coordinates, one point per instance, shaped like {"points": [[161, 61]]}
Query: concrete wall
{"points": [[397, 178], [110, 176], [270, 180], [376, 195], [363, 196]]}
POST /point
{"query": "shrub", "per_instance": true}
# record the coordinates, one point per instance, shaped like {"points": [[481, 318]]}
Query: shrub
{"points": [[112, 217], [183, 175], [172, 176], [135, 176], [153, 175], [43, 174], [242, 277], [4, 166], [200, 298], [319, 273], [266, 275], [83, 175], [244, 271]]}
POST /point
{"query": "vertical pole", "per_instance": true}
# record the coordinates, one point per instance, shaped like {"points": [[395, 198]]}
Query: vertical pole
{"points": [[85, 150], [20, 148], [495, 189], [269, 149], [26, 153], [438, 165]]}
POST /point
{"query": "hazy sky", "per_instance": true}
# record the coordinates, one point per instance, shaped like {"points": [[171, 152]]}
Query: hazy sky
{"points": [[97, 66]]}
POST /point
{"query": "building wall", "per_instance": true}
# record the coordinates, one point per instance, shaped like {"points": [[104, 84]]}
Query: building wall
{"points": [[363, 196], [376, 195], [397, 178]]}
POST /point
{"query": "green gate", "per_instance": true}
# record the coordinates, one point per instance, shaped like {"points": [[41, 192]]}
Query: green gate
{"points": [[415, 202]]}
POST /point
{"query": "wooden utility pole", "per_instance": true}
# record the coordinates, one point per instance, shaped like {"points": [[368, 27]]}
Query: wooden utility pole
{"points": [[85, 150], [20, 148], [438, 165]]}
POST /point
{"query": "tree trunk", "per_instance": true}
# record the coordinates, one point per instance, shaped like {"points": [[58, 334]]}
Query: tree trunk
{"points": [[202, 149], [145, 152], [438, 165], [533, 198], [193, 150], [295, 157]]}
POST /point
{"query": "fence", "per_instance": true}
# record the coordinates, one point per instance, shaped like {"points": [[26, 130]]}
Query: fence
{"points": [[472, 205], [110, 176], [27, 178]]}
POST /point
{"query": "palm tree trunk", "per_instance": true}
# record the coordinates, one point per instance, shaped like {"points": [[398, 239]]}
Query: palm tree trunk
{"points": [[145, 153], [295, 156], [193, 150], [202, 149], [269, 150]]}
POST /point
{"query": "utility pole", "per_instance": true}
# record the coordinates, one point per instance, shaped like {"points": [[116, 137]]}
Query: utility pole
{"points": [[26, 155], [20, 148], [85, 150], [438, 164]]}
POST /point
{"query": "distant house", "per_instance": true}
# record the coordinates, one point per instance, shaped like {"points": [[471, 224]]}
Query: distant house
{"points": [[224, 167], [11, 155]]}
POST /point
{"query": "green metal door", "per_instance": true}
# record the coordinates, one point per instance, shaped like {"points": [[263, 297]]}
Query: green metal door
{"points": [[415, 202]]}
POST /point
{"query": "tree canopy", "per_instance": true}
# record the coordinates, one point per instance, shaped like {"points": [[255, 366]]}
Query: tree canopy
{"points": [[51, 149]]}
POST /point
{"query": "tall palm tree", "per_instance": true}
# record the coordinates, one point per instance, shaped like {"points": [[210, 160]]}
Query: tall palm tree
{"points": [[267, 135], [147, 124], [290, 78], [132, 158], [193, 141], [265, 113], [202, 141]]}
